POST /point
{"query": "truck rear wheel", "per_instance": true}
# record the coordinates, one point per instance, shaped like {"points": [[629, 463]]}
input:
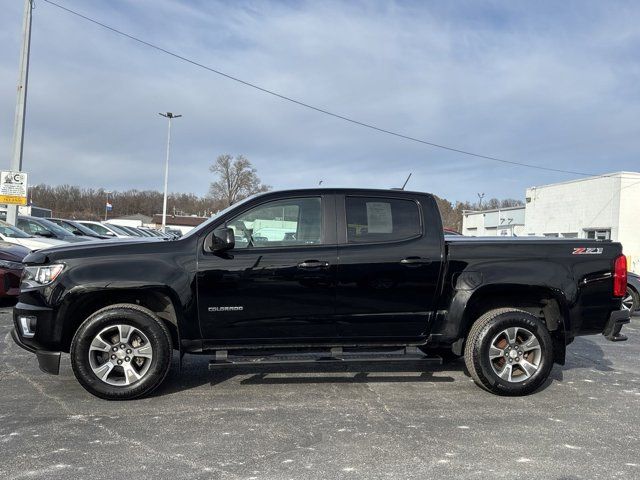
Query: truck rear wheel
{"points": [[631, 300], [509, 352], [121, 352]]}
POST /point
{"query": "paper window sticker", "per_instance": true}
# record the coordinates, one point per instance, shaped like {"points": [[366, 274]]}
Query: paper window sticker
{"points": [[379, 217]]}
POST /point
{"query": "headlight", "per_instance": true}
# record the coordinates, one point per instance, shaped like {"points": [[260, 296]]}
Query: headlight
{"points": [[10, 265], [38, 276]]}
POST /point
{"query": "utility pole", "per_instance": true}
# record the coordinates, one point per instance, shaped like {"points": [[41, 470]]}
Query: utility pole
{"points": [[170, 116], [21, 103]]}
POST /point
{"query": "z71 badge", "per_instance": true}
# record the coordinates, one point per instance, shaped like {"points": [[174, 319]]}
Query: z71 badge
{"points": [[587, 251]]}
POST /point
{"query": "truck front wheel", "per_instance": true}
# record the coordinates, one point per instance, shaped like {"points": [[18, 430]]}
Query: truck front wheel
{"points": [[509, 352], [121, 352]]}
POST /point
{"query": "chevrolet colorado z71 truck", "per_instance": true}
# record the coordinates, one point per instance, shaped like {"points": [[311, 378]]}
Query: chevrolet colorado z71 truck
{"points": [[318, 275]]}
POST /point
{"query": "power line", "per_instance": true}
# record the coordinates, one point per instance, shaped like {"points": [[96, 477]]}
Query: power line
{"points": [[312, 107]]}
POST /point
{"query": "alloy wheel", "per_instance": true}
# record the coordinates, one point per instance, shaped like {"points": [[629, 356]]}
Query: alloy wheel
{"points": [[515, 354], [120, 355], [627, 301]]}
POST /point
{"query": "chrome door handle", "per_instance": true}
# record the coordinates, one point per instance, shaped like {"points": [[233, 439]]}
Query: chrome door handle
{"points": [[309, 264], [415, 261]]}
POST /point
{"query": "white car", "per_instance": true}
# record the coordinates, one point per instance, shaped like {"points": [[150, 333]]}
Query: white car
{"points": [[104, 229], [11, 234]]}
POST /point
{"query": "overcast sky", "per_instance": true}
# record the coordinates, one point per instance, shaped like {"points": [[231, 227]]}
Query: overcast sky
{"points": [[550, 83]]}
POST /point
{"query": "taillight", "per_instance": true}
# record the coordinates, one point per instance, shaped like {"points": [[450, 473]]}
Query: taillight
{"points": [[620, 276]]}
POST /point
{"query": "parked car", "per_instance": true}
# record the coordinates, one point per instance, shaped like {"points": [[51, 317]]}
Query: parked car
{"points": [[11, 266], [11, 234], [131, 231], [77, 228], [631, 300], [153, 232], [368, 274], [174, 232], [41, 227], [104, 229], [144, 232]]}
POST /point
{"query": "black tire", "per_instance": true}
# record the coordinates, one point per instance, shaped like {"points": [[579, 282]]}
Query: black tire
{"points": [[131, 315], [635, 299], [485, 330]]}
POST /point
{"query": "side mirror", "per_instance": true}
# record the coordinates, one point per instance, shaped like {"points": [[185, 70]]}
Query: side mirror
{"points": [[222, 240], [110, 234], [45, 233]]}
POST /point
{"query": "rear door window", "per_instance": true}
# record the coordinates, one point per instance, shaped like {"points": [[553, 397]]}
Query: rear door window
{"points": [[378, 219]]}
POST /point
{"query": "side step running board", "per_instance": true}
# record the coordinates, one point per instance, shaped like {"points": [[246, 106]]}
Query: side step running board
{"points": [[408, 356]]}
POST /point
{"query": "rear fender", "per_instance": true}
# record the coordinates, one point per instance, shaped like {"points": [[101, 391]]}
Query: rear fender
{"points": [[468, 305]]}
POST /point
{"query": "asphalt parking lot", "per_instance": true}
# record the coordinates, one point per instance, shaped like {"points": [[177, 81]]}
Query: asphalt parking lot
{"points": [[584, 423]]}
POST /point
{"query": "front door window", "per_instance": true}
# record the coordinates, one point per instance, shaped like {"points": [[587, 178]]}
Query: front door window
{"points": [[282, 223]]}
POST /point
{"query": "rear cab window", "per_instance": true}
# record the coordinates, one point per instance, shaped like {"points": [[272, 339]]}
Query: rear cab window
{"points": [[380, 219]]}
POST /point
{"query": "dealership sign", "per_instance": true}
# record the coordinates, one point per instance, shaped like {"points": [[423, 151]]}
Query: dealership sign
{"points": [[13, 188]]}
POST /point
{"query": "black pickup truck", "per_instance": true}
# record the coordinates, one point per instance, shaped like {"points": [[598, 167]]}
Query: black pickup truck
{"points": [[318, 275]]}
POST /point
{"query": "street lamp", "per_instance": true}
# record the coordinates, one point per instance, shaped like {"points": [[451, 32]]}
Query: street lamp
{"points": [[170, 116], [21, 103]]}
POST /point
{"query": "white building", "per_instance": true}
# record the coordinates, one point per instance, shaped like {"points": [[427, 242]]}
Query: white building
{"points": [[604, 207], [184, 223], [137, 220], [498, 222]]}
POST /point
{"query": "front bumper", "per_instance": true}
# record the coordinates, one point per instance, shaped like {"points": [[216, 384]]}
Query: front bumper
{"points": [[49, 362], [616, 320]]}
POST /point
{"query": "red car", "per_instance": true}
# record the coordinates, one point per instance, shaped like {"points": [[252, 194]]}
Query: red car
{"points": [[11, 256]]}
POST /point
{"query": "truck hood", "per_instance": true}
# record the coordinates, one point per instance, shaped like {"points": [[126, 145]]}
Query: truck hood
{"points": [[102, 247]]}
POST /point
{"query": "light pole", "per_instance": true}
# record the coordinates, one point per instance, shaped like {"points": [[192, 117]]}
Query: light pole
{"points": [[21, 103], [170, 116]]}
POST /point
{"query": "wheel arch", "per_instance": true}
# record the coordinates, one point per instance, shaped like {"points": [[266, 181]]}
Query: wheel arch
{"points": [[158, 300], [545, 303]]}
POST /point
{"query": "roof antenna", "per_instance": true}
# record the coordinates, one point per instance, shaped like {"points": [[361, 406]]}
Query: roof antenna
{"points": [[406, 181]]}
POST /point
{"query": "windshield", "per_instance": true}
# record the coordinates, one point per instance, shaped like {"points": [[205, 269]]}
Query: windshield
{"points": [[97, 228], [79, 226], [143, 232], [62, 224], [73, 227], [52, 227], [205, 224], [9, 231], [119, 230]]}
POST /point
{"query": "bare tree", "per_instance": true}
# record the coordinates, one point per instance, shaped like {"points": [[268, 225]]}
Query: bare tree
{"points": [[511, 202], [237, 179], [88, 203]]}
